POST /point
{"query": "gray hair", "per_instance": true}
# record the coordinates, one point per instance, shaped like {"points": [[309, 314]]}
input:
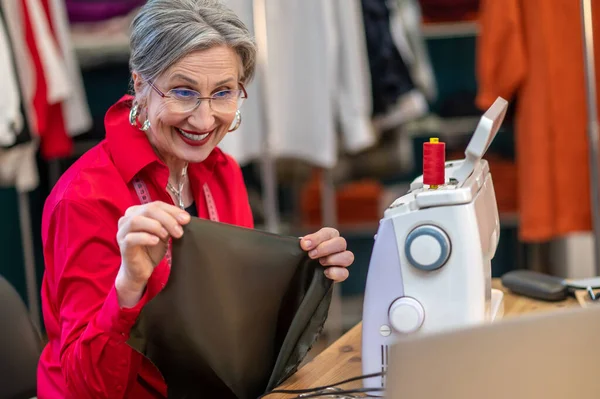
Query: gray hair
{"points": [[164, 31]]}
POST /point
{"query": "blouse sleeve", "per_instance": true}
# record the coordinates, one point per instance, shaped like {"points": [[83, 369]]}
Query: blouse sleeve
{"points": [[501, 54], [96, 361]]}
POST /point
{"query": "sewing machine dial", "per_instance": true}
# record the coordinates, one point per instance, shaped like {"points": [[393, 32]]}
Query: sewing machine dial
{"points": [[427, 247], [406, 315]]}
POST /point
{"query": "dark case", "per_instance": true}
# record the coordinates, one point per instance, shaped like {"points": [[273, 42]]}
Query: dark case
{"points": [[536, 285]]}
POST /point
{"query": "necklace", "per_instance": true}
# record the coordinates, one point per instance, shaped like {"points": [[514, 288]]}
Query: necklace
{"points": [[177, 192]]}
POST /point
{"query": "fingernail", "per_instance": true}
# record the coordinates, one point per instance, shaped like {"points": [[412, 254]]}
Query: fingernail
{"points": [[327, 273], [308, 243], [179, 230], [183, 217], [312, 253], [164, 233]]}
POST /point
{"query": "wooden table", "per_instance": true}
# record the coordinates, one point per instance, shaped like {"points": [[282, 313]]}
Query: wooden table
{"points": [[342, 360]]}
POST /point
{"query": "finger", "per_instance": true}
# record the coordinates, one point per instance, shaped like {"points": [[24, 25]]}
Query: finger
{"points": [[342, 259], [332, 246], [133, 210], [311, 241], [337, 274], [166, 219], [137, 239], [140, 223], [179, 214]]}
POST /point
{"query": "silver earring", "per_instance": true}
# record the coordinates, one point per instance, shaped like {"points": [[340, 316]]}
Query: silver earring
{"points": [[238, 121], [133, 118], [133, 114]]}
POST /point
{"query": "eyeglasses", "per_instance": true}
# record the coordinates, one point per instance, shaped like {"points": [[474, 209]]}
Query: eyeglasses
{"points": [[185, 101]]}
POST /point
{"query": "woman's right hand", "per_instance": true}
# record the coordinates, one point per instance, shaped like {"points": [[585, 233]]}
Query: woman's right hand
{"points": [[143, 237]]}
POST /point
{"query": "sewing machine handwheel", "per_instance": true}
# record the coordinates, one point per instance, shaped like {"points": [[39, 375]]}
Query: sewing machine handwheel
{"points": [[427, 247]]}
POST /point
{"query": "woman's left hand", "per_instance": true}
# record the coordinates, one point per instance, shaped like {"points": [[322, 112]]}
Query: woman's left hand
{"points": [[327, 246]]}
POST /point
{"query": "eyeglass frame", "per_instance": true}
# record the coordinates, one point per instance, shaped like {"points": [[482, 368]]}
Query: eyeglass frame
{"points": [[199, 99]]}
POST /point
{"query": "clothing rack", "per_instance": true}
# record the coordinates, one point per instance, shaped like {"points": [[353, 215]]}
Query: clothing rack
{"points": [[592, 128]]}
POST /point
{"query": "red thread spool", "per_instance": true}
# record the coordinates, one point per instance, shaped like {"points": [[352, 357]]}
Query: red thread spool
{"points": [[434, 163]]}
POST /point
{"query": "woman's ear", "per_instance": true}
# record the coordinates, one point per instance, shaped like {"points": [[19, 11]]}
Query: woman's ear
{"points": [[140, 88], [137, 82]]}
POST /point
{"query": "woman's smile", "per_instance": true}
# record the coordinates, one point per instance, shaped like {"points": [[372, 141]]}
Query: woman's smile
{"points": [[194, 138]]}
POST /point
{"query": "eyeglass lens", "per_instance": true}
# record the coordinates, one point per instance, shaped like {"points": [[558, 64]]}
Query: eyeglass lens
{"points": [[185, 100]]}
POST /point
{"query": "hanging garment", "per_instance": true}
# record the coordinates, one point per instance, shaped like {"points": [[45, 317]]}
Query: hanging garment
{"points": [[13, 17], [532, 51], [247, 143], [396, 99], [76, 112], [390, 78], [11, 119], [240, 311], [405, 24], [50, 84], [18, 166], [317, 82]]}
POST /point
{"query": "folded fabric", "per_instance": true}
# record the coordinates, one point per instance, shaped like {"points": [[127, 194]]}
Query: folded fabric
{"points": [[99, 10], [449, 10], [239, 313]]}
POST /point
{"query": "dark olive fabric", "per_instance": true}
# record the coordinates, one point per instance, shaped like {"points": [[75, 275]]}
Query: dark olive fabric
{"points": [[239, 313], [20, 346]]}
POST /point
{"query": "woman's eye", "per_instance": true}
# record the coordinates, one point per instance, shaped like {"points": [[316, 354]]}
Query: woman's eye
{"points": [[184, 94], [223, 95]]}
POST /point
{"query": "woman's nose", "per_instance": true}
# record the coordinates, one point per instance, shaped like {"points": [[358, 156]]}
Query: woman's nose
{"points": [[203, 118]]}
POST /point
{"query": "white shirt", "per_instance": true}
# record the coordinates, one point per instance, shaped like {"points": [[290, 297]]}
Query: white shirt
{"points": [[246, 144], [11, 120], [317, 83]]}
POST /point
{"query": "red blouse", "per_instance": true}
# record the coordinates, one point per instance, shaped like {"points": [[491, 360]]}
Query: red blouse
{"points": [[87, 355]]}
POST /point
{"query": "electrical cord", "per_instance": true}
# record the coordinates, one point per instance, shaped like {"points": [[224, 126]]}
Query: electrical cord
{"points": [[342, 394], [319, 390]]}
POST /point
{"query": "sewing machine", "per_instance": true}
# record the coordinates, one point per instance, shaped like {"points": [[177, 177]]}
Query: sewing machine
{"points": [[430, 268]]}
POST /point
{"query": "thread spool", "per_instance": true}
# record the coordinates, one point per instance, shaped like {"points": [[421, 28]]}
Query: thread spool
{"points": [[434, 163]]}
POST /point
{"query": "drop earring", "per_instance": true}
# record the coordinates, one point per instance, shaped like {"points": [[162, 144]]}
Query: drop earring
{"points": [[133, 118], [238, 121], [145, 125]]}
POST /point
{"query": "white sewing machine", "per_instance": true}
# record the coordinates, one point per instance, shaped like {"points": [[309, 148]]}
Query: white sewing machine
{"points": [[431, 263]]}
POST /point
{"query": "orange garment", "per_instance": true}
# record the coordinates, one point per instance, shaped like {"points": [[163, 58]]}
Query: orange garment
{"points": [[532, 51]]}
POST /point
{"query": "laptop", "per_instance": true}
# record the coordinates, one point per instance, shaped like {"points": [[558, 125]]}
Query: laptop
{"points": [[546, 355]]}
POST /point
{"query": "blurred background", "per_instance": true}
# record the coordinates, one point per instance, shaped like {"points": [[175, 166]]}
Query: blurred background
{"points": [[346, 93]]}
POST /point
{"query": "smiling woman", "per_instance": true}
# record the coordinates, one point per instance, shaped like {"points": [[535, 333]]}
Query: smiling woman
{"points": [[186, 127], [108, 222]]}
